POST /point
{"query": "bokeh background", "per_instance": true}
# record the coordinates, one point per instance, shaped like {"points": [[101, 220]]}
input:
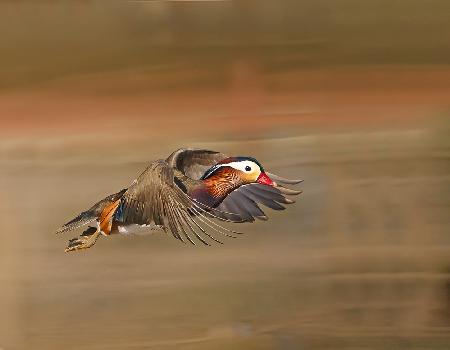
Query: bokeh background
{"points": [[352, 96]]}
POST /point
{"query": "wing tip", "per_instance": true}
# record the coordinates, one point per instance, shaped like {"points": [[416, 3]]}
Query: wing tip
{"points": [[287, 182], [288, 191], [283, 180]]}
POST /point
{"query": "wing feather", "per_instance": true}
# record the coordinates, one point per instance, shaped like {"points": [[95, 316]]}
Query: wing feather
{"points": [[245, 200], [155, 198], [194, 162], [283, 180]]}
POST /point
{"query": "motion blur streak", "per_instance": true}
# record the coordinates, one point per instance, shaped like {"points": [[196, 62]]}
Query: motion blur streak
{"points": [[352, 96]]}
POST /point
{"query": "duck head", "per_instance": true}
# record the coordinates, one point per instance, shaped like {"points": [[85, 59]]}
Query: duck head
{"points": [[227, 175], [242, 170]]}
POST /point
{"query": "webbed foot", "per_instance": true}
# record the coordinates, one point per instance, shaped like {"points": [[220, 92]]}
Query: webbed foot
{"points": [[86, 240]]}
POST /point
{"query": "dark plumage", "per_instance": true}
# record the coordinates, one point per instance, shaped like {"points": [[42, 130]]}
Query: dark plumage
{"points": [[183, 194]]}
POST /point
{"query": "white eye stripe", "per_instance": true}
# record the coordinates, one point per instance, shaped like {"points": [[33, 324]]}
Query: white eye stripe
{"points": [[243, 165], [254, 168]]}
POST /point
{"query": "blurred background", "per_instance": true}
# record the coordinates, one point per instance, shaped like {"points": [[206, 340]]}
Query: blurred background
{"points": [[352, 96]]}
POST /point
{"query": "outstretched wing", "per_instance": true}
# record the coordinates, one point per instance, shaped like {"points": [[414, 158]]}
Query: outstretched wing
{"points": [[245, 200], [194, 162], [154, 198]]}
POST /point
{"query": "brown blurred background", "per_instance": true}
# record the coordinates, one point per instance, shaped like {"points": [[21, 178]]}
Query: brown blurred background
{"points": [[352, 96]]}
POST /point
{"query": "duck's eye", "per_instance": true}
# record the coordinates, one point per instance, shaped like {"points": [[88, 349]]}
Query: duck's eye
{"points": [[247, 168]]}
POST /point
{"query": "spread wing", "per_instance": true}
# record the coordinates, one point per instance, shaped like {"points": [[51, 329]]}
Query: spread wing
{"points": [[155, 198], [245, 201], [194, 162]]}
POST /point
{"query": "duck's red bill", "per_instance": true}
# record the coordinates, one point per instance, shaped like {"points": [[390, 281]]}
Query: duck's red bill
{"points": [[264, 179]]}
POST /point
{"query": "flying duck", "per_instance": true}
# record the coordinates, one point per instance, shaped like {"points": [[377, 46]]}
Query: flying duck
{"points": [[183, 194]]}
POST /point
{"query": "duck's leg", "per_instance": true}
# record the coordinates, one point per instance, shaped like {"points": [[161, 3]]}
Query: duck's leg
{"points": [[86, 240]]}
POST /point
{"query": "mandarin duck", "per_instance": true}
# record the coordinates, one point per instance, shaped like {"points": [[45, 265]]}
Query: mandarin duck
{"points": [[186, 194]]}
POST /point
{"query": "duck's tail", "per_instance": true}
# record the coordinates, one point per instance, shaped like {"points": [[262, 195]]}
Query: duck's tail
{"points": [[102, 212]]}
